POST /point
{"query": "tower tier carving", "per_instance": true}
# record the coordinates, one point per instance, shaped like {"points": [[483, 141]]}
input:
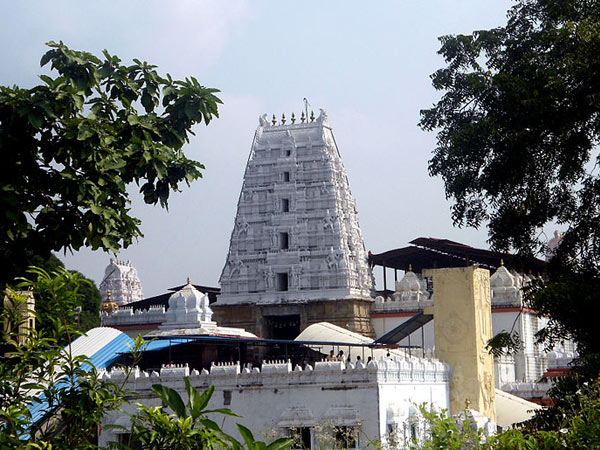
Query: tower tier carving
{"points": [[296, 236]]}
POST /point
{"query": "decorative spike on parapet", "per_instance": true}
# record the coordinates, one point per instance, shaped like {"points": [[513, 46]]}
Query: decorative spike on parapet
{"points": [[304, 120], [463, 326]]}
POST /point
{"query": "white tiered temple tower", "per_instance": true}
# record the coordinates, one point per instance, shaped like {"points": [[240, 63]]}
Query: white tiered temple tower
{"points": [[296, 254], [121, 279]]}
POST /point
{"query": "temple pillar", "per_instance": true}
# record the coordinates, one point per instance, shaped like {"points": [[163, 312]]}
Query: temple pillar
{"points": [[463, 326]]}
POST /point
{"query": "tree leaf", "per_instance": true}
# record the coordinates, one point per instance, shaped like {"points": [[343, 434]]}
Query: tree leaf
{"points": [[46, 57], [280, 444], [247, 436], [225, 411], [35, 119], [171, 398], [147, 101], [194, 399]]}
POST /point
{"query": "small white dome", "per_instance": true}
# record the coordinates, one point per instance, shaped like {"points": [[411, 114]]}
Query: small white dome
{"points": [[502, 278], [410, 287], [188, 308], [505, 287]]}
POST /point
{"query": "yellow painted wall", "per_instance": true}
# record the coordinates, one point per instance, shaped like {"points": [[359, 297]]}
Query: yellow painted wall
{"points": [[463, 326]]}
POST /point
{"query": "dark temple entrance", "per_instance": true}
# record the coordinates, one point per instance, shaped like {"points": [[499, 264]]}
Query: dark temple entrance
{"points": [[282, 327]]}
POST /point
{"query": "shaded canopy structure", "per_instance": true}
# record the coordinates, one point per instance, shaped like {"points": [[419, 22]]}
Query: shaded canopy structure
{"points": [[432, 253], [163, 299]]}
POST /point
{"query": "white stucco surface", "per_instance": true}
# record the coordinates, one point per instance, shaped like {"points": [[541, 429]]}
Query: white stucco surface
{"points": [[278, 397]]}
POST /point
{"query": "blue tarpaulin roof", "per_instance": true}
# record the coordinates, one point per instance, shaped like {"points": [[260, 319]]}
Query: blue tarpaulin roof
{"points": [[161, 344], [102, 346]]}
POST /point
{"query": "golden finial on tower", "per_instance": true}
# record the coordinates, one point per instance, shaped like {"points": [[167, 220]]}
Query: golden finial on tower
{"points": [[108, 306], [189, 281], [274, 121], [283, 119], [410, 267], [467, 403], [312, 116], [293, 118], [501, 262], [302, 117]]}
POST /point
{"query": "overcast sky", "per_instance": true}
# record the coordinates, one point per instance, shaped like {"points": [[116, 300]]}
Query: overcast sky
{"points": [[366, 63]]}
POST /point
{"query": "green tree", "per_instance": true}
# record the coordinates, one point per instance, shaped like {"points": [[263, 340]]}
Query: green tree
{"points": [[88, 296], [189, 427], [77, 299], [90, 299], [518, 127], [76, 399], [579, 427], [72, 145]]}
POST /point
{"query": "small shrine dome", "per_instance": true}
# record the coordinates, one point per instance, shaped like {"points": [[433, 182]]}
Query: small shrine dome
{"points": [[506, 287], [502, 279], [188, 307], [411, 287]]}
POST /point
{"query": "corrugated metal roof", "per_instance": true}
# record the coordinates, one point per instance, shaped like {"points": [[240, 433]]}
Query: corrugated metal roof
{"points": [[101, 345], [93, 340], [431, 253]]}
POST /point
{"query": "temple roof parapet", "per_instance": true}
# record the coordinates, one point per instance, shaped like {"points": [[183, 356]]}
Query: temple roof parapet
{"points": [[388, 370], [127, 316], [561, 359], [305, 120], [527, 389]]}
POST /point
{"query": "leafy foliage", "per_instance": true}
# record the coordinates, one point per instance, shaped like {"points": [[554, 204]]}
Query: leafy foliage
{"points": [[517, 146], [189, 428], [578, 428], [58, 295], [87, 297], [252, 444], [73, 145], [518, 121], [444, 432], [42, 369], [42, 372], [90, 300]]}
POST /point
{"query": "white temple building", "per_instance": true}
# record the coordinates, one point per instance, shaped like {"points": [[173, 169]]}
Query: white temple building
{"points": [[296, 253], [121, 279], [326, 404], [297, 258], [297, 267], [522, 373]]}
